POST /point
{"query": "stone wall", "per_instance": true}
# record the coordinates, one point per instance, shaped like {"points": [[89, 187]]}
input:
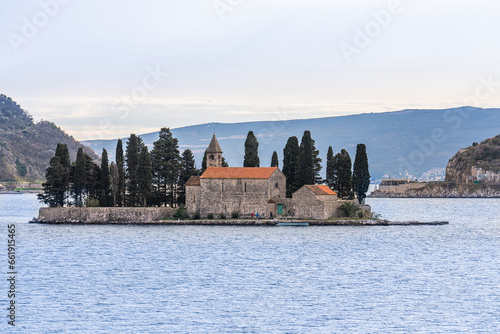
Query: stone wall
{"points": [[243, 195], [308, 205], [103, 215]]}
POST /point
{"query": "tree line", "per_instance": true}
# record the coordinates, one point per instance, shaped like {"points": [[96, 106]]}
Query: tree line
{"points": [[157, 178], [138, 178], [302, 166]]}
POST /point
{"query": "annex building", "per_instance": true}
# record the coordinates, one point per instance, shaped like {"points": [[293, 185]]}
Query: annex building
{"points": [[254, 190]]}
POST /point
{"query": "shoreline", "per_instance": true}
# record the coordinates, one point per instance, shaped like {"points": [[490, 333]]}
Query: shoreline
{"points": [[246, 222]]}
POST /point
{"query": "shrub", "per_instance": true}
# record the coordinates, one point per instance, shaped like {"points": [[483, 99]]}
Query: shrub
{"points": [[222, 215], [348, 209], [210, 215], [196, 215], [235, 214], [92, 202], [181, 213], [361, 214]]}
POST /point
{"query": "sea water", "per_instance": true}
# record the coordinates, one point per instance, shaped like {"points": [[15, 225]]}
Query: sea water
{"points": [[230, 279]]}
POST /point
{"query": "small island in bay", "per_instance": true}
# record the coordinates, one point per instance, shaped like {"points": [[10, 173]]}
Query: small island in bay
{"points": [[250, 195]]}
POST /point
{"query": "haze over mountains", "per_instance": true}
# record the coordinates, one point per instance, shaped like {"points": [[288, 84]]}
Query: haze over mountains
{"points": [[401, 143]]}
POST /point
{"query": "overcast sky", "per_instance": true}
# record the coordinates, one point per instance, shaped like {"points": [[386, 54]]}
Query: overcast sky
{"points": [[104, 69]]}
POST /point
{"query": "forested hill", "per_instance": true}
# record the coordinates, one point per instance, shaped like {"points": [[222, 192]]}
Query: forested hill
{"points": [[409, 140], [26, 147]]}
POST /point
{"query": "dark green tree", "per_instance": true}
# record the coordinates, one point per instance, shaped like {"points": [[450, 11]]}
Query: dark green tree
{"points": [[120, 164], [204, 163], [165, 159], [54, 189], [344, 175], [274, 160], [79, 178], [132, 177], [63, 153], [309, 162], [145, 176], [92, 180], [188, 169], [114, 177], [290, 164], [360, 173], [331, 172], [224, 163], [104, 181], [251, 151]]}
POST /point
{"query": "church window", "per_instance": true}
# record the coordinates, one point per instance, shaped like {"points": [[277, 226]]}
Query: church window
{"points": [[212, 157], [222, 186], [245, 187], [277, 185]]}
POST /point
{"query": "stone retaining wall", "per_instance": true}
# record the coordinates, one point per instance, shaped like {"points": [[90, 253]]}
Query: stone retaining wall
{"points": [[103, 215]]}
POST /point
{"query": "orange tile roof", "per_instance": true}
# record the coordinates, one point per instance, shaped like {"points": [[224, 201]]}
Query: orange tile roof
{"points": [[321, 190], [193, 181], [238, 172]]}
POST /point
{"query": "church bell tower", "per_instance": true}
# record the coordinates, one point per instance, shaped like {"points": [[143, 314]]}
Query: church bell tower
{"points": [[214, 154]]}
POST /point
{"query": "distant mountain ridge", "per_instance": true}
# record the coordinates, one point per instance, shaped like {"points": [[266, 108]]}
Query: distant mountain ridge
{"points": [[400, 143], [26, 147]]}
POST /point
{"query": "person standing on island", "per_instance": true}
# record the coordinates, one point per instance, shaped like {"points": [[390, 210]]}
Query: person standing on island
{"points": [[252, 215], [258, 216]]}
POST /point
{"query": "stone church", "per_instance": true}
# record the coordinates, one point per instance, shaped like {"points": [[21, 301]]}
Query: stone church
{"points": [[254, 190]]}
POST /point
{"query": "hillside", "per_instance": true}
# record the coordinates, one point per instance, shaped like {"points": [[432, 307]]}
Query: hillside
{"points": [[26, 147], [415, 141], [479, 162]]}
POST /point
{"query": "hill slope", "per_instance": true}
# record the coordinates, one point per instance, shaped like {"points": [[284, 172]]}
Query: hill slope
{"points": [[479, 162], [410, 140], [26, 147]]}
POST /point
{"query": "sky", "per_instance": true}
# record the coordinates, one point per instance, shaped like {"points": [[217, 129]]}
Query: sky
{"points": [[105, 69]]}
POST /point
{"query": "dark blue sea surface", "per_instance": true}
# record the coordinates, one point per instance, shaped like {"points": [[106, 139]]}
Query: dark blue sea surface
{"points": [[226, 279]]}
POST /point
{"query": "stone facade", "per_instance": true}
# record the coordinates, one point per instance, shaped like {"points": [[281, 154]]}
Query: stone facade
{"points": [[228, 189], [310, 202]]}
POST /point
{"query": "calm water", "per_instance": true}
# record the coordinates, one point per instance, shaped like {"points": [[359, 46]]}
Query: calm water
{"points": [[178, 279]]}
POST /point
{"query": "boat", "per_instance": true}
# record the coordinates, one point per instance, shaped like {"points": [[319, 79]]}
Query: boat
{"points": [[292, 224]]}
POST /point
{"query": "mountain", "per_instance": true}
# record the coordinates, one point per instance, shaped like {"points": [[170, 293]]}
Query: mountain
{"points": [[479, 162], [26, 147], [401, 143]]}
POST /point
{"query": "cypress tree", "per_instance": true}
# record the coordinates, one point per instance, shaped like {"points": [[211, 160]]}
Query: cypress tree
{"points": [[251, 151], [145, 176], [224, 163], [344, 174], [309, 162], [114, 177], [274, 160], [132, 159], [204, 163], [188, 169], [120, 193], [361, 173], [104, 197], [290, 164], [63, 153], [92, 180], [165, 159], [54, 189], [331, 174], [79, 178]]}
